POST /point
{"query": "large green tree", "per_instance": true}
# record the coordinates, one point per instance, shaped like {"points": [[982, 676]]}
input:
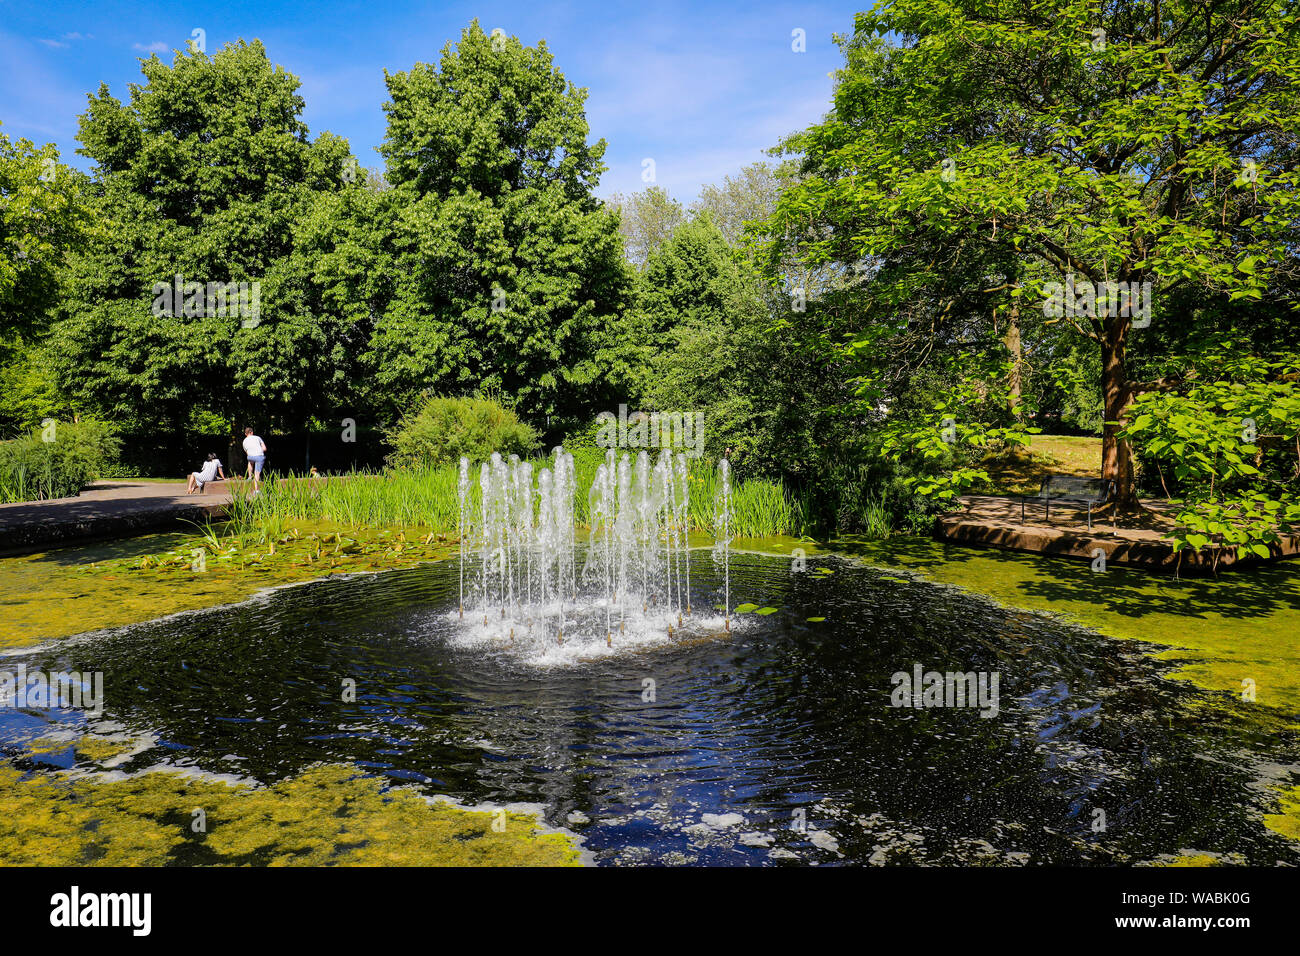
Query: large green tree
{"points": [[708, 322], [43, 218], [510, 272], [1005, 144], [207, 173]]}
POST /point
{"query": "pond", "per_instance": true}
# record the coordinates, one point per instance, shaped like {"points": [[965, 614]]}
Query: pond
{"points": [[781, 741]]}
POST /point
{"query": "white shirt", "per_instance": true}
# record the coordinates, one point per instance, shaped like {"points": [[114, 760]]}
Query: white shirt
{"points": [[209, 470], [253, 447]]}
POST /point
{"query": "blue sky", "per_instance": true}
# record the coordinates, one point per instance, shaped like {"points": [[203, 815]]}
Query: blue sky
{"points": [[702, 88]]}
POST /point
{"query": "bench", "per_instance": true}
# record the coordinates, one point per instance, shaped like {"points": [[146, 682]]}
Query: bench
{"points": [[1069, 489]]}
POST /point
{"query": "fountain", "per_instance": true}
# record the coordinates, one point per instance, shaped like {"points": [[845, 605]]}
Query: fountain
{"points": [[519, 571]]}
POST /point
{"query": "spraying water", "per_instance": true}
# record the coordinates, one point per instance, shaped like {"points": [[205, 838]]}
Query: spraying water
{"points": [[722, 535], [634, 584]]}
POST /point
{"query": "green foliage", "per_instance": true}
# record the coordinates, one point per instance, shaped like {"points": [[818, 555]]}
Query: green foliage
{"points": [[707, 324], [441, 430], [42, 216], [428, 497], [207, 173], [425, 497], [55, 461], [1071, 385], [646, 220], [1231, 443], [978, 150], [29, 391], [506, 272], [743, 201], [938, 449]]}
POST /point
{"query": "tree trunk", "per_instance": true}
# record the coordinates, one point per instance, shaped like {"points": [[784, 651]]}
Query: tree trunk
{"points": [[1012, 341], [1116, 453]]}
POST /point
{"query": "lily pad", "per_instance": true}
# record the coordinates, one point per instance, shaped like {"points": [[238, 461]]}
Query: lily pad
{"points": [[746, 608], [812, 620], [766, 610]]}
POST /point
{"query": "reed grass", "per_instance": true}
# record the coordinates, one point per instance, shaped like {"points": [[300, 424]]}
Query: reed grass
{"points": [[429, 498]]}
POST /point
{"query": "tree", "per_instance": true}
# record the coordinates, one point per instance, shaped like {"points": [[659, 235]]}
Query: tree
{"points": [[206, 174], [707, 318], [43, 217], [1143, 143], [646, 221], [511, 275], [748, 197]]}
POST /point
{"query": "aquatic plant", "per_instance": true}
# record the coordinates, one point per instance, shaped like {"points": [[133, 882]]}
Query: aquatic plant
{"points": [[430, 498]]}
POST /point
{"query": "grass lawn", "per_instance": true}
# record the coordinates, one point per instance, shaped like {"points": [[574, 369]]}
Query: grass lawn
{"points": [[1022, 471]]}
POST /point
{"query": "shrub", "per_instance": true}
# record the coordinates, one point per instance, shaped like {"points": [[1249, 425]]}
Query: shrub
{"points": [[56, 462], [441, 430]]}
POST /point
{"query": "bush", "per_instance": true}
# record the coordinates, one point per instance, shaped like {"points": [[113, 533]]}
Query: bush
{"points": [[56, 462], [874, 499], [441, 430]]}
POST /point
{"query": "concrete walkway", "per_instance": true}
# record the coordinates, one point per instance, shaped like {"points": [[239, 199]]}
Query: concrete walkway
{"points": [[110, 508], [1137, 540]]}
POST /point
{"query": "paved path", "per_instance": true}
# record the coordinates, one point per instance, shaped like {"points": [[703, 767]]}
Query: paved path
{"points": [[1138, 540], [106, 508]]}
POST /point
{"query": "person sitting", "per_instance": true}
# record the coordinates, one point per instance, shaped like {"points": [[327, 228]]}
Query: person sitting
{"points": [[210, 470]]}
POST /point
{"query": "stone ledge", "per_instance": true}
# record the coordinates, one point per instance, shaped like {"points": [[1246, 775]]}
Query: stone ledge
{"points": [[995, 523]]}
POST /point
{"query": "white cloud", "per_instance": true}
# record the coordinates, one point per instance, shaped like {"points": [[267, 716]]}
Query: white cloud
{"points": [[59, 44], [156, 47]]}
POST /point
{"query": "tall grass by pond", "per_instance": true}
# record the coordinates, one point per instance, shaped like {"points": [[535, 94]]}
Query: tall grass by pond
{"points": [[429, 498], [55, 461]]}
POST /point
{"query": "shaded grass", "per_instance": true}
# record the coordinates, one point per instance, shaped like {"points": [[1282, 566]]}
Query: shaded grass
{"points": [[1020, 471]]}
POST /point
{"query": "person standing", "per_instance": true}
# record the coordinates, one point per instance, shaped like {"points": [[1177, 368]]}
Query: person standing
{"points": [[255, 449]]}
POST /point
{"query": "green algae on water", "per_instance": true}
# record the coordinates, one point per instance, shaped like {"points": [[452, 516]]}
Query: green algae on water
{"points": [[1238, 634], [328, 815], [1287, 822], [72, 590]]}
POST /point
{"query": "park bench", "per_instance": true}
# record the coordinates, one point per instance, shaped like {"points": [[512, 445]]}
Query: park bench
{"points": [[1069, 489]]}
